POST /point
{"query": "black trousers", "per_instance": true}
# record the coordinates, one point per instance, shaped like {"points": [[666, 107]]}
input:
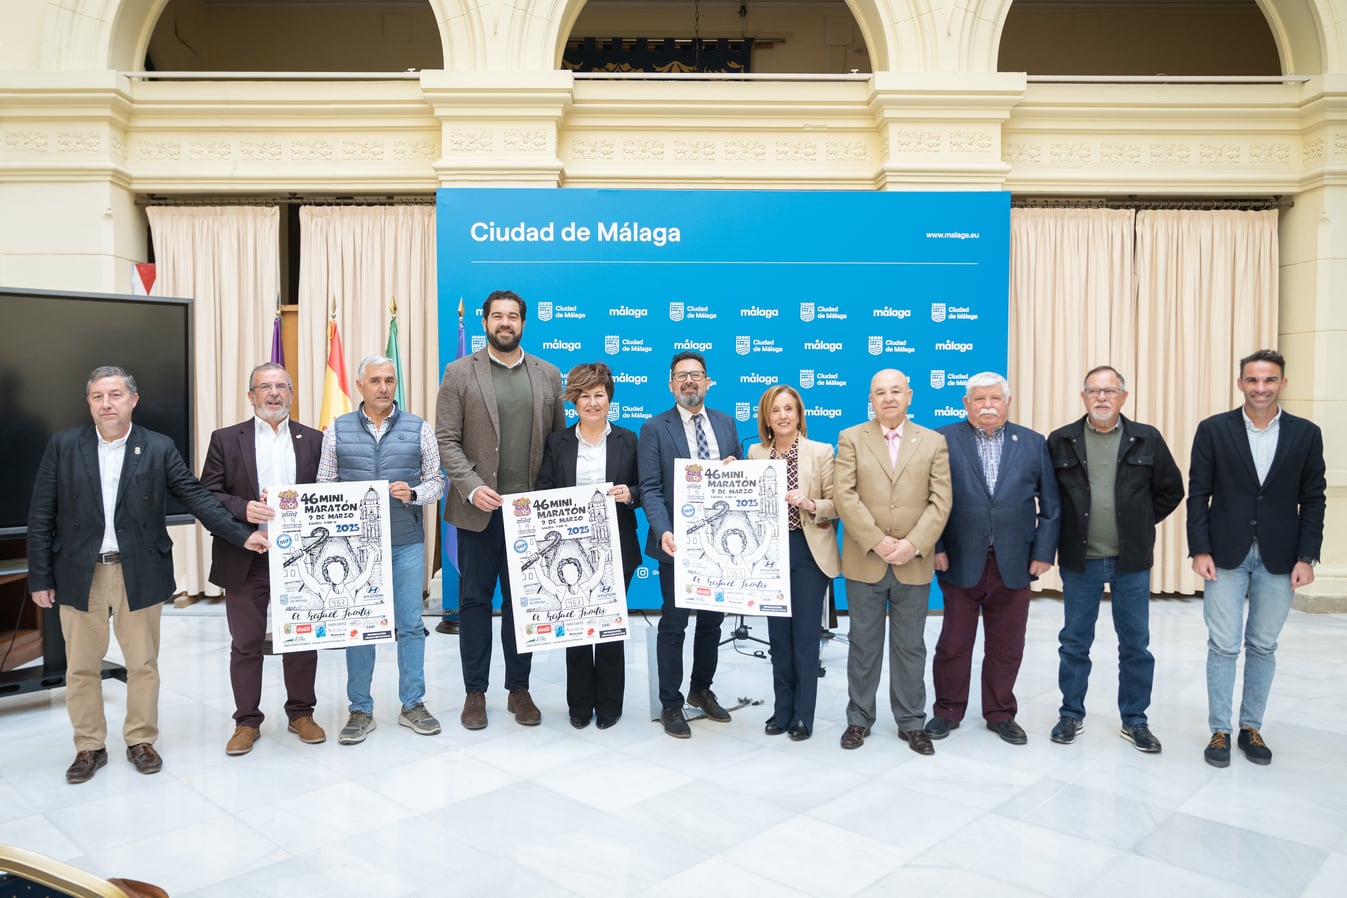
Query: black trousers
{"points": [[673, 623], [481, 563]]}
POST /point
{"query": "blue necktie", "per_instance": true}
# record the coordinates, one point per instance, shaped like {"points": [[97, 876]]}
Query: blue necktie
{"points": [[703, 447]]}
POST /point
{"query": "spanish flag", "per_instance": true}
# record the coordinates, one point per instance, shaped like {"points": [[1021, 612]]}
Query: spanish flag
{"points": [[336, 395]]}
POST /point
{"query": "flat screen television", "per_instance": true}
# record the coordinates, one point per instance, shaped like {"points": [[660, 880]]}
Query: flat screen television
{"points": [[50, 341]]}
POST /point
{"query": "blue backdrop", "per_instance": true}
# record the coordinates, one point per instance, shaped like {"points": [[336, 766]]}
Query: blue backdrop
{"points": [[817, 290]]}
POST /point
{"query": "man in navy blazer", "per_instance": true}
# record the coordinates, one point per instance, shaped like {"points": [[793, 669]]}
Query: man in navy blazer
{"points": [[1256, 503], [242, 461], [1001, 533], [98, 547], [688, 430]]}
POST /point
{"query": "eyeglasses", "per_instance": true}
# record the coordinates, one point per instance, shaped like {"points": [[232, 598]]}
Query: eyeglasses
{"points": [[693, 376], [270, 388], [1106, 392]]}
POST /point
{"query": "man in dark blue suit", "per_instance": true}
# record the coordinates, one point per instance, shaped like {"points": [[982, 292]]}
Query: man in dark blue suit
{"points": [[98, 548], [1255, 525], [688, 430], [1001, 533]]}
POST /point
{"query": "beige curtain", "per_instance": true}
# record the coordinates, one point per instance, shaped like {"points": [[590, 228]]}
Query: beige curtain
{"points": [[1172, 299], [1072, 307], [362, 258], [1206, 297], [227, 260]]}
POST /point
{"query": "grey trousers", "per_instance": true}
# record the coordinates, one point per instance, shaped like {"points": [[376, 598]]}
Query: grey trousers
{"points": [[905, 607]]}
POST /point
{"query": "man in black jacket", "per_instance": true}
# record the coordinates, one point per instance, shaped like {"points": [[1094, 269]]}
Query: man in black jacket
{"points": [[1117, 480], [1255, 525]]}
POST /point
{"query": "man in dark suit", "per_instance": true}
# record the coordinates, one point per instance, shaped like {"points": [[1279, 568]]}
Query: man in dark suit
{"points": [[494, 412], [1001, 533], [688, 430], [1255, 525], [98, 547], [242, 461]]}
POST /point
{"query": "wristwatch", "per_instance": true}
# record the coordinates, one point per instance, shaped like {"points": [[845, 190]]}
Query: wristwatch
{"points": [[1312, 562]]}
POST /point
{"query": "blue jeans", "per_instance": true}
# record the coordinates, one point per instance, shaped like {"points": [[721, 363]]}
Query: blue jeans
{"points": [[1130, 599], [408, 570], [1269, 598]]}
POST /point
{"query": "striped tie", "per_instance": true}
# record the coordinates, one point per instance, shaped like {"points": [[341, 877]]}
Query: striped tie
{"points": [[703, 447]]}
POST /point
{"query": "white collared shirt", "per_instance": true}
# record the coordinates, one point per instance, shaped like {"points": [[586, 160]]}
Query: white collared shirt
{"points": [[690, 431], [111, 458], [275, 454], [591, 461], [1263, 443]]}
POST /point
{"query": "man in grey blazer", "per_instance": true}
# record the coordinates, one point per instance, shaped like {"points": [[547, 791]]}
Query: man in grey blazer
{"points": [[688, 430], [494, 412], [1001, 534]]}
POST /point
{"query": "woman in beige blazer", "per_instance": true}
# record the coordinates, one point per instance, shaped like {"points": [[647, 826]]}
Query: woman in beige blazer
{"points": [[814, 559]]}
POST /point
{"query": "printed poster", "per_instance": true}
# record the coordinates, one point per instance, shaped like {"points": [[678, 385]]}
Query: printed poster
{"points": [[565, 567], [731, 531], [331, 565]]}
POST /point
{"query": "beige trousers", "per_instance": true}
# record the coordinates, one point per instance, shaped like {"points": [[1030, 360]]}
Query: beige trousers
{"points": [[86, 642]]}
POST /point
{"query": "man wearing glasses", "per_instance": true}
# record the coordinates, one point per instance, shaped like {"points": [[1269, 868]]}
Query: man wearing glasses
{"points": [[1117, 480], [688, 430], [242, 461]]}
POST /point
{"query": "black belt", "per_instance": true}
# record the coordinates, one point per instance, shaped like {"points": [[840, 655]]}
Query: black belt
{"points": [[110, 558]]}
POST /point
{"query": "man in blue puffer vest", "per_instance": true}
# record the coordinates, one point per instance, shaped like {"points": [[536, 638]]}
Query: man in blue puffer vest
{"points": [[379, 441]]}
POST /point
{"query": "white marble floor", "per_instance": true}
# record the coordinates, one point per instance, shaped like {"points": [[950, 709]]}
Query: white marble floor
{"points": [[550, 810]]}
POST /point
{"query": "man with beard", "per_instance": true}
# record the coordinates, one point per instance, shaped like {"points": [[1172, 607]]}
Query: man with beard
{"points": [[688, 430], [494, 412], [242, 461]]}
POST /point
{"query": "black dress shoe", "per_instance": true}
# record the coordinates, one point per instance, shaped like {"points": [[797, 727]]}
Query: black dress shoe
{"points": [[675, 724], [854, 736], [86, 764], [799, 733], [579, 722], [939, 727], [605, 722], [706, 702], [1009, 731], [145, 758], [919, 741], [772, 728]]}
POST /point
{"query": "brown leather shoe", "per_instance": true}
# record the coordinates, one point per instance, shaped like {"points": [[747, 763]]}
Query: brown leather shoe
{"points": [[308, 731], [854, 736], [86, 764], [521, 705], [242, 741], [919, 741], [146, 759], [474, 711]]}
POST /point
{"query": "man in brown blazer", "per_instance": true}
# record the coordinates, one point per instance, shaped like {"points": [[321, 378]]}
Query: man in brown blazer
{"points": [[494, 412], [892, 492], [242, 461]]}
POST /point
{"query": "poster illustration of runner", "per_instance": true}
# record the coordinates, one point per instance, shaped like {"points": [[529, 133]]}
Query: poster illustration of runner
{"points": [[565, 567], [331, 565], [730, 529]]}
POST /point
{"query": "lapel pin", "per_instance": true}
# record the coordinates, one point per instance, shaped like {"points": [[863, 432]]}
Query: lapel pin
{"points": [[137, 450], [1014, 438]]}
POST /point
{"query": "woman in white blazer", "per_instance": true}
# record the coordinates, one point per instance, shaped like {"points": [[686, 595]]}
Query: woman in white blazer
{"points": [[814, 559]]}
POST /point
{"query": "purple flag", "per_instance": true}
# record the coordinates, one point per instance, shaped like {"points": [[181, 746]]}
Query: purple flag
{"points": [[277, 346]]}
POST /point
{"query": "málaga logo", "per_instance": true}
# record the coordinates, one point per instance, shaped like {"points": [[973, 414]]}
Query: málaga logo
{"points": [[806, 312], [937, 378], [937, 312], [742, 345], [741, 411], [675, 311], [478, 341], [612, 343], [806, 378], [545, 311], [614, 411], [875, 345]]}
